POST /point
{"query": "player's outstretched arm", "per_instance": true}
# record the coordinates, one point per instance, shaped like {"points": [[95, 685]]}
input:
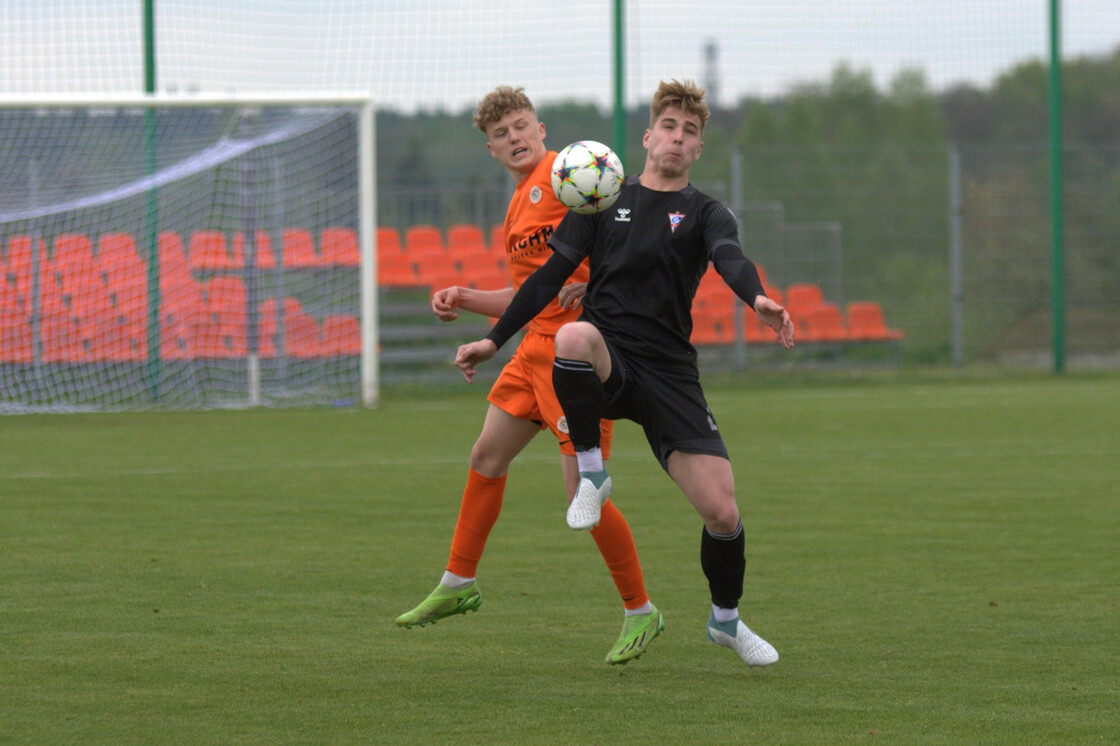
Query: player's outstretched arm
{"points": [[470, 355], [776, 317], [447, 302]]}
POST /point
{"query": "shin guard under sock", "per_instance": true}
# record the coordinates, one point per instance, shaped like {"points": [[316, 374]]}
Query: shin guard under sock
{"points": [[580, 393], [478, 512], [723, 559]]}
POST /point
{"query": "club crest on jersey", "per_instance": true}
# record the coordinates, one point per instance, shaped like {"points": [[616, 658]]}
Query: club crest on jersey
{"points": [[675, 219], [535, 194]]}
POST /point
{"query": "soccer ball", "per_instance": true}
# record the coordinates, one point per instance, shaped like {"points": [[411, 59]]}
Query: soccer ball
{"points": [[587, 177]]}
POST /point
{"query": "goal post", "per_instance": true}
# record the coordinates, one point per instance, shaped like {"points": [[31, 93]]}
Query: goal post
{"points": [[187, 252]]}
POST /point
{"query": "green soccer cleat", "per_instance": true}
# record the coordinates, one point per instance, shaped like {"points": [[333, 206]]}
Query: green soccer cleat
{"points": [[443, 602], [638, 631]]}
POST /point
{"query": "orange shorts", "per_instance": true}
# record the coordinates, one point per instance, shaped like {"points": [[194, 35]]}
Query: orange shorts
{"points": [[524, 390]]}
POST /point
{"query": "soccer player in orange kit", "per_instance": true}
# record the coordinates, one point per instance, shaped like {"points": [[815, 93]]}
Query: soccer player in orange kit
{"points": [[522, 400]]}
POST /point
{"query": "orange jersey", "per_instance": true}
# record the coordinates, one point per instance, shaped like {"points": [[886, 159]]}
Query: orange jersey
{"points": [[533, 213]]}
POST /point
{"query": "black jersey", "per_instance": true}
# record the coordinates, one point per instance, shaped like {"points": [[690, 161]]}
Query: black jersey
{"points": [[648, 252]]}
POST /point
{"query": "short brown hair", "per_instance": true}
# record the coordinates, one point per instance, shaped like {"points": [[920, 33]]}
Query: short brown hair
{"points": [[686, 96], [499, 102]]}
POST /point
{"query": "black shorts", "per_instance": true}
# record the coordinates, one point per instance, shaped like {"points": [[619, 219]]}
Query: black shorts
{"points": [[668, 403]]}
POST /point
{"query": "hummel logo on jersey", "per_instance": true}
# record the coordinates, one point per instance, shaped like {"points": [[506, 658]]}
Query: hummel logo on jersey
{"points": [[675, 219], [623, 215]]}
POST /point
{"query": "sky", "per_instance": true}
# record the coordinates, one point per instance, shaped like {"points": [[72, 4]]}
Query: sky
{"points": [[444, 54]]}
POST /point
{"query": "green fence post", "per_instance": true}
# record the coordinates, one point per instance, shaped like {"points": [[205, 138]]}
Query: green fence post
{"points": [[152, 210], [1057, 208]]}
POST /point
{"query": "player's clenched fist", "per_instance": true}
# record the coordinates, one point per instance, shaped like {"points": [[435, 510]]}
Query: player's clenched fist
{"points": [[472, 354]]}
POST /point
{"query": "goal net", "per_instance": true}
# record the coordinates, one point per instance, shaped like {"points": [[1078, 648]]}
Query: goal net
{"points": [[159, 252]]}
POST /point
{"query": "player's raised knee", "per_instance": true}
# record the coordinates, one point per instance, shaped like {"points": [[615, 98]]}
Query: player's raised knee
{"points": [[576, 340]]}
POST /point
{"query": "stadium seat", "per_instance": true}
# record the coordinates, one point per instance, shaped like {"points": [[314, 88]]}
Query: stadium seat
{"points": [[301, 331], [17, 267], [824, 323], [388, 241], [754, 331], [339, 247], [866, 323], [341, 335], [264, 258], [476, 261], [118, 261], [207, 252], [429, 266], [497, 242], [711, 327], [494, 280], [713, 294], [181, 316], [465, 237], [61, 340], [422, 240], [266, 328], [15, 337], [73, 254], [448, 278], [173, 267], [396, 270], [801, 298], [804, 295], [223, 328], [127, 342], [298, 249]]}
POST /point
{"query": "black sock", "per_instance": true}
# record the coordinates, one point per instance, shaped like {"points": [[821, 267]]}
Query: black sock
{"points": [[580, 393], [723, 559]]}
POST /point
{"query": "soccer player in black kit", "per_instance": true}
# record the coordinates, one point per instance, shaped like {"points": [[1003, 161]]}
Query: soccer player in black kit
{"points": [[629, 354]]}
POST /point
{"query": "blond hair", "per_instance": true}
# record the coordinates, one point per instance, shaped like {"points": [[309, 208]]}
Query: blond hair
{"points": [[499, 102], [686, 96]]}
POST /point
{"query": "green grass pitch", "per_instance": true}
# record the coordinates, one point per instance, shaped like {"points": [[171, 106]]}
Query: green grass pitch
{"points": [[936, 562]]}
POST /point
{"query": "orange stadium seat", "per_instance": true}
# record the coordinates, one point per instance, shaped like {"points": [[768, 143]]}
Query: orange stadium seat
{"points": [[476, 262], [421, 240], [267, 328], [824, 323], [301, 331], [298, 249], [264, 258], [15, 337], [866, 322], [339, 247], [714, 294], [434, 265], [464, 237], [341, 335], [494, 280], [119, 262], [173, 267], [388, 241], [17, 267], [73, 254], [498, 239], [396, 271], [712, 327], [207, 252]]}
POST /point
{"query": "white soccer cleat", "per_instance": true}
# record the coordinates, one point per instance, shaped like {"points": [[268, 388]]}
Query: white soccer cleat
{"points": [[751, 648], [587, 506]]}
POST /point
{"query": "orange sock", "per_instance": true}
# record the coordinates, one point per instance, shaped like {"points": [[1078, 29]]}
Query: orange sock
{"points": [[616, 544], [482, 502]]}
